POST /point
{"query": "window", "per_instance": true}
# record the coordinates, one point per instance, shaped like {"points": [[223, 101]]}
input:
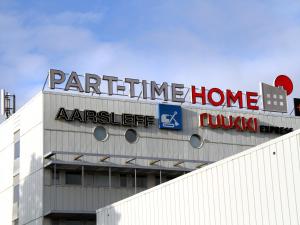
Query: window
{"points": [[131, 136], [141, 181], [123, 180], [73, 178], [16, 193], [88, 179], [100, 133], [196, 141], [157, 180], [72, 222], [170, 178], [17, 144], [101, 180], [17, 150]]}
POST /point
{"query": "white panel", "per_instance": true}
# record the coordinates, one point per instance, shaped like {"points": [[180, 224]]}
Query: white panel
{"points": [[257, 186], [28, 119], [6, 205]]}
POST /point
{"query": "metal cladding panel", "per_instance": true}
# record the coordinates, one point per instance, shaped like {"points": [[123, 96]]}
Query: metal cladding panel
{"points": [[258, 186], [6, 205], [153, 142], [28, 120], [6, 171], [77, 198], [31, 197]]}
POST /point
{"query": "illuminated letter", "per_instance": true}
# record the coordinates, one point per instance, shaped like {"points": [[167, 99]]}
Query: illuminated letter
{"points": [[196, 95], [251, 100], [212, 101], [53, 80], [223, 122], [95, 85], [144, 83], [203, 116], [110, 80], [74, 82], [176, 92], [155, 89], [238, 124], [62, 114], [132, 82], [231, 98], [76, 115], [210, 121]]}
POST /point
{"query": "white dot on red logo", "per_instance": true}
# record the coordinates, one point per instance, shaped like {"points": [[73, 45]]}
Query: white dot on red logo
{"points": [[285, 82]]}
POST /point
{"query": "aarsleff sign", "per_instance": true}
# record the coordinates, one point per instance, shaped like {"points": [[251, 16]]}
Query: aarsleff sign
{"points": [[104, 117]]}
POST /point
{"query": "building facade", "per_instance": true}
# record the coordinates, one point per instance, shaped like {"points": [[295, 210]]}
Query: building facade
{"points": [[257, 186], [64, 155]]}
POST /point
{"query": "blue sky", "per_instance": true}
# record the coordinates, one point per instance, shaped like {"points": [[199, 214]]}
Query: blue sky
{"points": [[227, 44]]}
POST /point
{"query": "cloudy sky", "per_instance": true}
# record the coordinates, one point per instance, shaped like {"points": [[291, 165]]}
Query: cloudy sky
{"points": [[217, 43]]}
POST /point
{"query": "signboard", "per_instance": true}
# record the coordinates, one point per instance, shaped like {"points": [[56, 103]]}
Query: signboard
{"points": [[170, 117], [274, 96], [104, 117], [239, 123]]}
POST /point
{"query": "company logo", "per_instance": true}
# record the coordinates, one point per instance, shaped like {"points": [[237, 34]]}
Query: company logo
{"points": [[104, 117], [239, 123], [275, 97], [170, 116]]}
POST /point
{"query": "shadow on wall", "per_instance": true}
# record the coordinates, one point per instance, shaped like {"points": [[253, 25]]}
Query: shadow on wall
{"points": [[31, 192]]}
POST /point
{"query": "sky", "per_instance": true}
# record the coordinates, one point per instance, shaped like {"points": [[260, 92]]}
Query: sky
{"points": [[213, 43]]}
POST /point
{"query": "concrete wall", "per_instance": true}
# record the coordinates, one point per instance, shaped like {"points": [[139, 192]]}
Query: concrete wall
{"points": [[258, 186]]}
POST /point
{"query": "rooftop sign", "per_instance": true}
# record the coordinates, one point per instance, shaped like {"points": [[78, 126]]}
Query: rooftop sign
{"points": [[274, 97]]}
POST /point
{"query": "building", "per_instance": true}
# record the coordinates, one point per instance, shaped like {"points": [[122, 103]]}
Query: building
{"points": [[63, 154], [257, 186]]}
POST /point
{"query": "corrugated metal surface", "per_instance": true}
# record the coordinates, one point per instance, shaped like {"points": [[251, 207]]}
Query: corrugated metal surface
{"points": [[72, 198], [257, 186], [153, 142], [41, 133]]}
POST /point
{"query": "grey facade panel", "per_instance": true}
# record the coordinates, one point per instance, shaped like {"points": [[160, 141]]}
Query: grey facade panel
{"points": [[41, 134]]}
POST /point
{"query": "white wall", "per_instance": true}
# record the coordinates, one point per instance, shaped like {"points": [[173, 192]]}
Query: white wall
{"points": [[28, 120], [258, 186]]}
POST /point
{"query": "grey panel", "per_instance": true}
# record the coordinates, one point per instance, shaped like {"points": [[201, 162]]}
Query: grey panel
{"points": [[274, 99], [64, 136]]}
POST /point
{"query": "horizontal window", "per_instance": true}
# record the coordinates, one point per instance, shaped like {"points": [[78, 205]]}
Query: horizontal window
{"points": [[73, 178], [141, 181], [17, 150], [123, 180], [16, 193]]}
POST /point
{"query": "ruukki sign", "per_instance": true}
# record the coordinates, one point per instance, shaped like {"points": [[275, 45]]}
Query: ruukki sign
{"points": [[174, 92], [239, 123]]}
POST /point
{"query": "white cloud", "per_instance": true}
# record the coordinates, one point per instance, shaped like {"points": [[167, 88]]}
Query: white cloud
{"points": [[203, 52]]}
